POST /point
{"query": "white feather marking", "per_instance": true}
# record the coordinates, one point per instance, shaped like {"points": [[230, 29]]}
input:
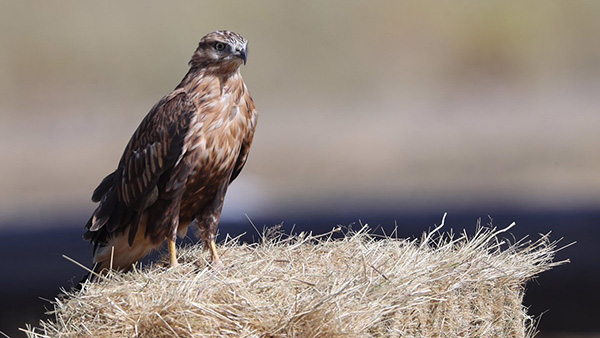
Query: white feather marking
{"points": [[234, 113], [197, 128], [217, 125]]}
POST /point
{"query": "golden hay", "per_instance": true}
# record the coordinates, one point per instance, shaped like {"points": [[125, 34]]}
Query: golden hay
{"points": [[441, 285]]}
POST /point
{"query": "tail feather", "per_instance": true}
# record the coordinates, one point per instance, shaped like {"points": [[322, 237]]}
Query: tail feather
{"points": [[118, 252], [103, 187]]}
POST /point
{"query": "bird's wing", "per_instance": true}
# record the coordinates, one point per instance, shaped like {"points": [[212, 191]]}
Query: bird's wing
{"points": [[247, 108], [152, 153]]}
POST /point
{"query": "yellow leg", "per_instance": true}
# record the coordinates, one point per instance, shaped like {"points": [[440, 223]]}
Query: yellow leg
{"points": [[213, 253], [172, 254]]}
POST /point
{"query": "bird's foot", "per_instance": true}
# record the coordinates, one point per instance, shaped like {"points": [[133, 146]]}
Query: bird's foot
{"points": [[216, 264], [172, 255], [215, 261]]}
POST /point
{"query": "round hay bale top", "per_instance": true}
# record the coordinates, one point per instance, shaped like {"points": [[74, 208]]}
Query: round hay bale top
{"points": [[359, 285]]}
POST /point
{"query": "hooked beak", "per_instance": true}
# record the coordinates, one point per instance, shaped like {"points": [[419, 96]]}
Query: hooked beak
{"points": [[242, 55]]}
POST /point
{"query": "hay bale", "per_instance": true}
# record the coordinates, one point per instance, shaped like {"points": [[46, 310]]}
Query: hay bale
{"points": [[441, 285]]}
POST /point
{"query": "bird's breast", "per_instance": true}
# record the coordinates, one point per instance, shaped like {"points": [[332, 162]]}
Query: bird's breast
{"points": [[215, 136], [215, 143]]}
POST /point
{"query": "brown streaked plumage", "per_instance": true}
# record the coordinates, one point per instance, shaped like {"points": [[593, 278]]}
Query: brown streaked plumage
{"points": [[179, 162]]}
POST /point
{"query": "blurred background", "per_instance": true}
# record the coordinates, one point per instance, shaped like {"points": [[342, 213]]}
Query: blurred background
{"points": [[388, 113]]}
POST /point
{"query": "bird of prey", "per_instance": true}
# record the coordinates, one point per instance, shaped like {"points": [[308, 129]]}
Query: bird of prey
{"points": [[177, 166]]}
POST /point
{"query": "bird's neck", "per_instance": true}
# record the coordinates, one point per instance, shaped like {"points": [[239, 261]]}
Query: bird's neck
{"points": [[205, 85], [197, 75]]}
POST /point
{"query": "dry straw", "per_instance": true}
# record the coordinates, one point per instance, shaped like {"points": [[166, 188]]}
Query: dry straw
{"points": [[360, 285]]}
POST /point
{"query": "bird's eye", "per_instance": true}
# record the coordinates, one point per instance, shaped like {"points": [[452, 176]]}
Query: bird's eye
{"points": [[219, 46]]}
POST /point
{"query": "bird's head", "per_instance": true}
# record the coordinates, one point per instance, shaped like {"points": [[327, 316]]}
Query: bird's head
{"points": [[220, 52]]}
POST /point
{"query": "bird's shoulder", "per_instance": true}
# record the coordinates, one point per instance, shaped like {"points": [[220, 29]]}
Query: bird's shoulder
{"points": [[171, 110], [168, 118]]}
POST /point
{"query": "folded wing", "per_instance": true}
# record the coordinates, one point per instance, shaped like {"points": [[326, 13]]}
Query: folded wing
{"points": [[147, 165]]}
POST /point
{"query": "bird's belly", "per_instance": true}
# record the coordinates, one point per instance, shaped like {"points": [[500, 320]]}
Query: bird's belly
{"points": [[214, 153], [212, 172]]}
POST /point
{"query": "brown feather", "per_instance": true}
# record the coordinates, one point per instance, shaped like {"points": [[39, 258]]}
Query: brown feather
{"points": [[179, 162]]}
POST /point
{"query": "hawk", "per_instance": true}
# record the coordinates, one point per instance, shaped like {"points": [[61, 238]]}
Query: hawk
{"points": [[179, 162]]}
